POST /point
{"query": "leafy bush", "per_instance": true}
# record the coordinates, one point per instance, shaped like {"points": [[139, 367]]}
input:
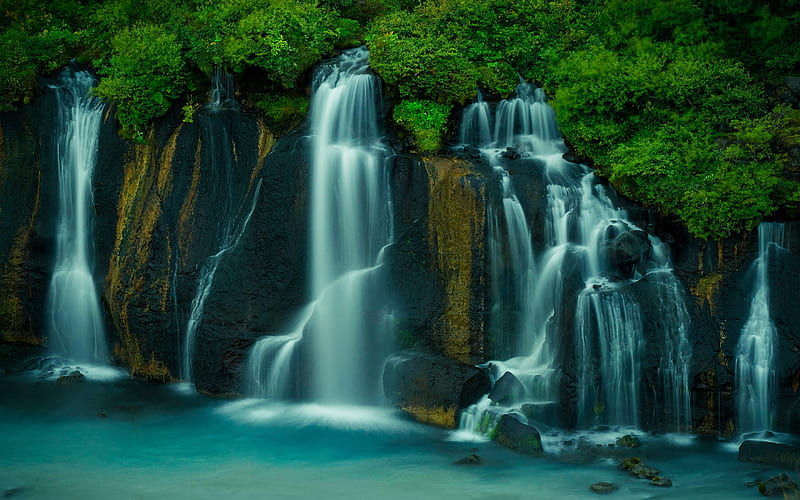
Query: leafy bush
{"points": [[425, 120], [143, 75]]}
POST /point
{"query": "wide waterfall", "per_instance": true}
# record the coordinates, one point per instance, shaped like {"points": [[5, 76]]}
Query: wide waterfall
{"points": [[235, 212], [74, 318], [584, 231], [755, 352], [351, 223]]}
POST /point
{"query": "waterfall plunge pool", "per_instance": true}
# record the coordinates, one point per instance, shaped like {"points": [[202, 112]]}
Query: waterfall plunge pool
{"points": [[135, 439]]}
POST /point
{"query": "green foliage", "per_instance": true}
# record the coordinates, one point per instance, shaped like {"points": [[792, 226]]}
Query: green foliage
{"points": [[284, 38], [143, 75], [425, 120], [282, 109]]}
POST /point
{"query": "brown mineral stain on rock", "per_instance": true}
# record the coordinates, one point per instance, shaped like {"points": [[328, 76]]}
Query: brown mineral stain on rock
{"points": [[457, 222]]}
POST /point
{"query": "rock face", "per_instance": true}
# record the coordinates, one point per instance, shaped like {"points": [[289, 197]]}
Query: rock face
{"points": [[766, 452], [431, 388], [518, 436], [159, 209]]}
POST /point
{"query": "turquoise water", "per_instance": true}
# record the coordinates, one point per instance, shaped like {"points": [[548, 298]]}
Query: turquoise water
{"points": [[133, 439]]}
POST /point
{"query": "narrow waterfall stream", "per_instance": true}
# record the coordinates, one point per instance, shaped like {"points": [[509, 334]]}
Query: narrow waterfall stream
{"points": [[350, 224], [235, 211], [75, 322], [755, 352], [584, 229]]}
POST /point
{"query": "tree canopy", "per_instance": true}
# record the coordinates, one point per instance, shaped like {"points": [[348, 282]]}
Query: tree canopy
{"points": [[677, 102]]}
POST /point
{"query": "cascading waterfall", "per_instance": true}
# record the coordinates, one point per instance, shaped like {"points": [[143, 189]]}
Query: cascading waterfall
{"points": [[234, 214], [74, 318], [755, 352], [608, 324], [351, 223], [581, 222]]}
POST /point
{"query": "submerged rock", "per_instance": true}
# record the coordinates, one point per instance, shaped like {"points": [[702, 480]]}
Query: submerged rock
{"points": [[779, 486], [628, 441], [637, 468], [518, 436], [74, 377], [604, 488], [507, 390], [431, 388], [469, 460], [511, 153], [662, 482], [766, 452]]}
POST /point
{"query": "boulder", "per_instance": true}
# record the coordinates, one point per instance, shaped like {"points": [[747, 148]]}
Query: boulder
{"points": [[74, 377], [469, 460], [766, 452], [519, 436], [431, 388], [628, 441], [603, 487], [662, 482], [782, 486], [637, 468], [507, 390], [511, 153], [627, 249]]}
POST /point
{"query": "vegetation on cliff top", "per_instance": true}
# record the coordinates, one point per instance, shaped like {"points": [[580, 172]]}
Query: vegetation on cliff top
{"points": [[677, 103]]}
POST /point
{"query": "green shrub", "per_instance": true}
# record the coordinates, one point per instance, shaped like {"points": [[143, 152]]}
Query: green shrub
{"points": [[425, 120]]}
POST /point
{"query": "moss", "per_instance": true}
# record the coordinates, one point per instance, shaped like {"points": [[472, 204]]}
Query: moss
{"points": [[147, 179], [707, 289], [15, 325], [457, 218], [436, 415]]}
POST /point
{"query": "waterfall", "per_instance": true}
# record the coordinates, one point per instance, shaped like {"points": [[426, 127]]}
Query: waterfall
{"points": [[584, 230], [350, 225], [74, 318], [218, 146], [609, 326], [755, 352]]}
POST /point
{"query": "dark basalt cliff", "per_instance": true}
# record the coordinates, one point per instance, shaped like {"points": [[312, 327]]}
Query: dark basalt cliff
{"points": [[159, 207]]}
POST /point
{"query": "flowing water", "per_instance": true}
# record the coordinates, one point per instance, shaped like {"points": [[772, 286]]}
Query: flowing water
{"points": [[583, 227], [234, 211], [755, 352], [133, 439], [74, 320], [350, 225]]}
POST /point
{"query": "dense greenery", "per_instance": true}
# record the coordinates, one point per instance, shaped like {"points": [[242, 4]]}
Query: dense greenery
{"points": [[676, 102]]}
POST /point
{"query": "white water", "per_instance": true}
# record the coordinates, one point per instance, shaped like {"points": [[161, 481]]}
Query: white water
{"points": [[219, 148], [351, 223], [74, 319], [580, 222], [755, 352], [609, 326]]}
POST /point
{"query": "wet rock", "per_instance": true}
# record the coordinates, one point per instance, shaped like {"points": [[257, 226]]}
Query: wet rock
{"points": [[74, 377], [662, 482], [637, 468], [628, 441], [471, 152], [431, 388], [12, 492], [766, 452], [627, 249], [507, 390], [469, 460], [518, 436], [779, 486], [604, 488], [511, 153]]}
